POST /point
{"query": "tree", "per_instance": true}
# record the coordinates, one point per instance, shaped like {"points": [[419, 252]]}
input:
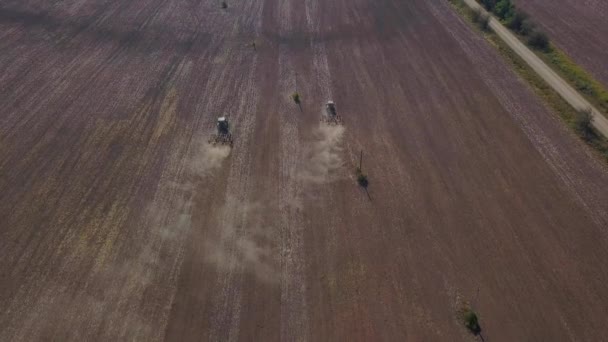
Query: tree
{"points": [[539, 40], [527, 27], [516, 21], [582, 124], [484, 22], [488, 4], [504, 9]]}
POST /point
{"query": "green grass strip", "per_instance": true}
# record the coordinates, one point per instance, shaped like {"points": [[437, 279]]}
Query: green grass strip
{"points": [[562, 108]]}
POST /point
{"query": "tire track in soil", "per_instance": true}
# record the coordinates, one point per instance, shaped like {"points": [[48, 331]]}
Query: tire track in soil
{"points": [[76, 95], [294, 320], [227, 302], [294, 308], [154, 106], [225, 307], [147, 108]]}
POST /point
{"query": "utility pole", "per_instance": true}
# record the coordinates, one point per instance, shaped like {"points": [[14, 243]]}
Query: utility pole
{"points": [[296, 81], [360, 160]]}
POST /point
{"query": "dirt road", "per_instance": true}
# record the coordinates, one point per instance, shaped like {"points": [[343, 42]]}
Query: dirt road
{"points": [[578, 27], [562, 87], [119, 222]]}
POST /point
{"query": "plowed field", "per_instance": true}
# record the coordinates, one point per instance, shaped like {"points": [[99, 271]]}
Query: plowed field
{"points": [[118, 221], [578, 27]]}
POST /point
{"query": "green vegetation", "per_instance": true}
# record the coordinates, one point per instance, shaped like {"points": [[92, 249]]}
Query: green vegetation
{"points": [[481, 19], [538, 40], [527, 27], [471, 321], [516, 22], [362, 178], [578, 78], [296, 97], [488, 4], [521, 24], [582, 124], [504, 9], [579, 123]]}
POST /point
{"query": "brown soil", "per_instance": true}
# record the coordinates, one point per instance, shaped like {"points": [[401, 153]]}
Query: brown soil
{"points": [[119, 222]]}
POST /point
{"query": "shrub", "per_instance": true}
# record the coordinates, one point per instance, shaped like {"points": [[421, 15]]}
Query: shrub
{"points": [[488, 4], [481, 19], [484, 22], [362, 178], [224, 5], [539, 40], [516, 22], [584, 86], [527, 27], [504, 9], [296, 97], [582, 124], [475, 15], [471, 321]]}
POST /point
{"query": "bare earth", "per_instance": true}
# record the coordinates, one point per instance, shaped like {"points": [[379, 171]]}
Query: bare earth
{"points": [[119, 222], [579, 27]]}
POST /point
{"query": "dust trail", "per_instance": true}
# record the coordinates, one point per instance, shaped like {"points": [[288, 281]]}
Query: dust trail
{"points": [[208, 158], [131, 279], [324, 157], [143, 278], [156, 263], [244, 243], [225, 307]]}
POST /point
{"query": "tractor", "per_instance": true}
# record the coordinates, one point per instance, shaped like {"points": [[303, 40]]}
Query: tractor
{"points": [[331, 116], [223, 135]]}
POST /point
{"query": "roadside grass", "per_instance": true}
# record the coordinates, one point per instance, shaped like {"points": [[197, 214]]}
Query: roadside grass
{"points": [[593, 90], [520, 24], [567, 113]]}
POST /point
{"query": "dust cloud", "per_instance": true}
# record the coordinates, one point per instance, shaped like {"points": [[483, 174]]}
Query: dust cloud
{"points": [[168, 222], [244, 243], [323, 157], [208, 158]]}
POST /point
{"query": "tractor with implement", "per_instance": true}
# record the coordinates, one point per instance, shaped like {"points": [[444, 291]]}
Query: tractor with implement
{"points": [[331, 116], [222, 135]]}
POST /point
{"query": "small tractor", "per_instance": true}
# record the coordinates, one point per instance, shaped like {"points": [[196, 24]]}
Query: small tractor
{"points": [[223, 135], [331, 117]]}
